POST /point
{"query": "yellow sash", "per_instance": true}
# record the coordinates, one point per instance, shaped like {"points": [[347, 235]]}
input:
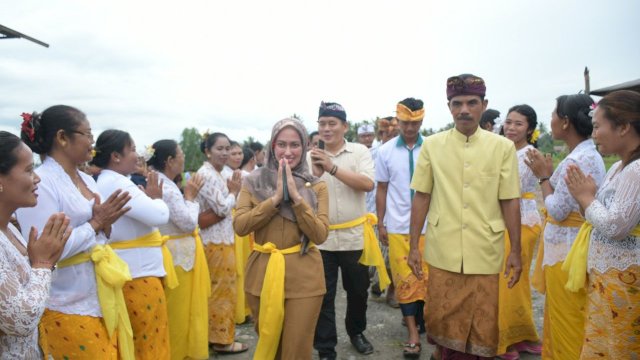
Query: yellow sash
{"points": [[272, 300], [576, 262], [153, 239], [201, 289], [371, 254], [528, 196], [574, 219], [111, 274]]}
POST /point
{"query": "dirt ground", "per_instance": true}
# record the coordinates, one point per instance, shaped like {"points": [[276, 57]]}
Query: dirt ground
{"points": [[384, 331]]}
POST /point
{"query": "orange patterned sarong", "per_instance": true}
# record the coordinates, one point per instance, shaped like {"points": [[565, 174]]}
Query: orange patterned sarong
{"points": [[612, 327], [408, 288], [222, 303], [147, 308], [68, 336]]}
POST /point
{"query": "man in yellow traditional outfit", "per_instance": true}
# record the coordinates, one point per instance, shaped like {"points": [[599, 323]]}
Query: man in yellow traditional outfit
{"points": [[395, 164], [466, 182], [347, 168]]}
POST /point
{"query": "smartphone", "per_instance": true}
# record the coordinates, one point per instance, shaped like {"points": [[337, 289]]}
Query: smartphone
{"points": [[320, 144]]}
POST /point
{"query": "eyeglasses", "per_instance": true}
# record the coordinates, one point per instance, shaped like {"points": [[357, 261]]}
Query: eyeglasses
{"points": [[458, 81], [88, 135]]}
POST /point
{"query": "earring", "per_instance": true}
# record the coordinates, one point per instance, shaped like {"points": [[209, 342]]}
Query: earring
{"points": [[564, 127], [117, 160], [1, 188]]}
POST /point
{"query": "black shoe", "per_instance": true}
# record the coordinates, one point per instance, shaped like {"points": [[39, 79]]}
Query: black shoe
{"points": [[327, 356], [362, 344]]}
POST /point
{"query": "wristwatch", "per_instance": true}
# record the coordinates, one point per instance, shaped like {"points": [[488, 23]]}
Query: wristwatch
{"points": [[542, 179]]}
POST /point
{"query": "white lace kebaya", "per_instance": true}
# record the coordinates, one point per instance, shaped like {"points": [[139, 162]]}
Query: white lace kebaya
{"points": [[558, 239], [529, 215], [215, 195], [183, 219], [614, 213], [23, 294]]}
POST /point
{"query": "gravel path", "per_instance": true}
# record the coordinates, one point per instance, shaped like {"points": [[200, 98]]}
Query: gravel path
{"points": [[384, 330]]}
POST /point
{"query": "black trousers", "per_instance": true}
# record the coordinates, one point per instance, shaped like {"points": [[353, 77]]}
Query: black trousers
{"points": [[355, 281]]}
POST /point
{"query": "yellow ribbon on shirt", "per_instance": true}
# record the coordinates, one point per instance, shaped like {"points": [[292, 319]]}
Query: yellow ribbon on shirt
{"points": [[153, 239], [111, 274], [528, 196], [576, 262], [271, 315], [371, 254], [574, 219]]}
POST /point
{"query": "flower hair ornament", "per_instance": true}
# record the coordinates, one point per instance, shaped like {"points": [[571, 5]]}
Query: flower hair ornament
{"points": [[27, 126], [593, 108], [149, 151], [534, 136]]}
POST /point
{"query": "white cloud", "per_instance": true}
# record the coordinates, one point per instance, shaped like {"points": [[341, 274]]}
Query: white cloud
{"points": [[155, 67]]}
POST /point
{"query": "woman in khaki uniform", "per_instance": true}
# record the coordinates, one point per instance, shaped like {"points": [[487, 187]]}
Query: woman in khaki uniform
{"points": [[289, 219]]}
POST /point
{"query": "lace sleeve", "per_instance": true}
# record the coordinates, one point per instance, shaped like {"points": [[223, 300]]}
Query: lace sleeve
{"points": [[183, 214], [560, 203], [622, 213], [21, 305]]}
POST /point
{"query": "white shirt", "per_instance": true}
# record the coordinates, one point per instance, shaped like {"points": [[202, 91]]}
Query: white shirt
{"points": [[23, 293], [144, 217], [73, 288], [558, 239], [614, 213], [183, 219], [215, 195], [394, 164]]}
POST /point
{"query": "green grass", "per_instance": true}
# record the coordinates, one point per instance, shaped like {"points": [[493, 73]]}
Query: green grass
{"points": [[608, 160]]}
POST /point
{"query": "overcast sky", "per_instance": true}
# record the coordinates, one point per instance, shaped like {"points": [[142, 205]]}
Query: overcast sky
{"points": [[155, 67]]}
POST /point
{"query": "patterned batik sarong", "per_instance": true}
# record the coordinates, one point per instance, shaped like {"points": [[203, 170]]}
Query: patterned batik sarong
{"points": [[147, 308], [222, 303], [408, 288], [612, 327], [70, 337], [461, 311]]}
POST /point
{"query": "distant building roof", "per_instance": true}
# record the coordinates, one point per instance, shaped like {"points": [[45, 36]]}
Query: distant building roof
{"points": [[633, 85]]}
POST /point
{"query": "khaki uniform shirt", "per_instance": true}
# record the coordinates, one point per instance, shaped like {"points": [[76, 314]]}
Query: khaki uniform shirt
{"points": [[466, 178], [346, 204]]}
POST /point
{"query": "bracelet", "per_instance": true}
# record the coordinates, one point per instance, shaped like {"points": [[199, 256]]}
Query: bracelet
{"points": [[47, 265], [543, 179], [333, 170]]}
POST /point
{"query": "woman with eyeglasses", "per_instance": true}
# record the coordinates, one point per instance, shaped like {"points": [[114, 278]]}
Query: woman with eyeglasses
{"points": [[25, 267], [72, 325], [571, 123]]}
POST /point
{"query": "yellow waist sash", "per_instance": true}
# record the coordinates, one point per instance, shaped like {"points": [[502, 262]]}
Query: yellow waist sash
{"points": [[153, 239], [528, 196], [371, 254], [271, 315], [576, 262], [574, 219], [201, 289], [111, 274]]}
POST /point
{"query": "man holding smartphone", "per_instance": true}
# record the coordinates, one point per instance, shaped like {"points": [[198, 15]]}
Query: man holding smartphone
{"points": [[347, 168]]}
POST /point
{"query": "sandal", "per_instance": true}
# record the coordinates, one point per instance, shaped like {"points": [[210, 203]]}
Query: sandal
{"points": [[233, 348], [411, 350]]}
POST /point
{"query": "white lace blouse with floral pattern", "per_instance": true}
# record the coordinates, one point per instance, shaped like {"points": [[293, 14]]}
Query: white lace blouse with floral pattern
{"points": [[183, 219], [529, 215], [23, 295], [614, 213], [558, 239], [215, 195]]}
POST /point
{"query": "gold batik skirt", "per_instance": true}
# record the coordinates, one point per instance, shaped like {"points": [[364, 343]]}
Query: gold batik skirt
{"points": [[222, 303]]}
